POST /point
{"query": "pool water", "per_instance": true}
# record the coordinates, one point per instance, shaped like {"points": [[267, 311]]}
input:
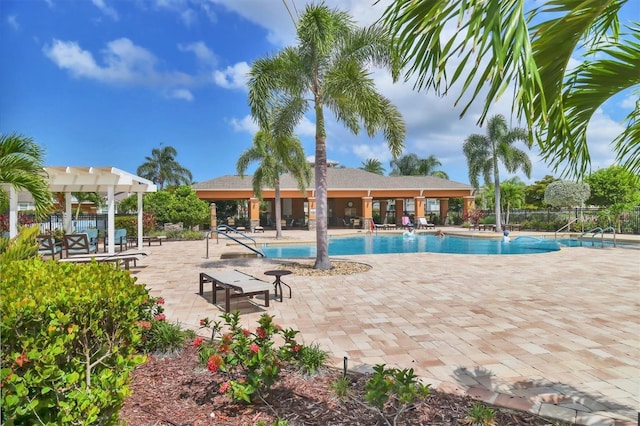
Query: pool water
{"points": [[385, 244]]}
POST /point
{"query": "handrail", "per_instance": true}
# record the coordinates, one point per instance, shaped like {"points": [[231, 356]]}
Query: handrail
{"points": [[565, 226], [612, 229], [227, 228], [593, 231], [224, 234]]}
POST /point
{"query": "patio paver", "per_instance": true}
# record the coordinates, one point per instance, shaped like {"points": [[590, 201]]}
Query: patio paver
{"points": [[554, 333]]}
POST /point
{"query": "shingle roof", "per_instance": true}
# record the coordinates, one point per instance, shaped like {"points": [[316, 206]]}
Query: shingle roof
{"points": [[341, 178]]}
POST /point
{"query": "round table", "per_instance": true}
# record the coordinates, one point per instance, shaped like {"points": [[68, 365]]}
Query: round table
{"points": [[277, 284]]}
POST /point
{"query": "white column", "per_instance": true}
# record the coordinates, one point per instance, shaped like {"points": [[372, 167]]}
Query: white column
{"points": [[140, 215], [111, 222], [67, 215], [13, 212]]}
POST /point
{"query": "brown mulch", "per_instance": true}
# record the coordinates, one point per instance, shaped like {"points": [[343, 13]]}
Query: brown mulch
{"points": [[177, 391]]}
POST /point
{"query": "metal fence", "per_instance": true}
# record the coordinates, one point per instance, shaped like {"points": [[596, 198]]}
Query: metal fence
{"points": [[587, 218]]}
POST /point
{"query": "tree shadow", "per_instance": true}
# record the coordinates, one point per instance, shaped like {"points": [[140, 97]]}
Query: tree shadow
{"points": [[481, 383]]}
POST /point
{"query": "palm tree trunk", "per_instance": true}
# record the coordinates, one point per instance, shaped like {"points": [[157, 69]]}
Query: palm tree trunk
{"points": [[278, 208], [322, 244], [496, 178]]}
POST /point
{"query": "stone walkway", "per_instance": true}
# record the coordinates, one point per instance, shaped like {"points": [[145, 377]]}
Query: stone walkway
{"points": [[556, 334]]}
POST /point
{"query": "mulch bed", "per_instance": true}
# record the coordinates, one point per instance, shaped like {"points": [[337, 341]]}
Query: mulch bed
{"points": [[178, 391]]}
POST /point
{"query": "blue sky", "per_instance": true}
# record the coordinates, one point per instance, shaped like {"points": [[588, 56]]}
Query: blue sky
{"points": [[103, 82]]}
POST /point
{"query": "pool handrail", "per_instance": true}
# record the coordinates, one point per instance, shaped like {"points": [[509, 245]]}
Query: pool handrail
{"points": [[221, 230], [565, 226]]}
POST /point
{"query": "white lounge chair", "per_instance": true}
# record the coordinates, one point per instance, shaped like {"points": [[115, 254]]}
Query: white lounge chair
{"points": [[422, 223]]}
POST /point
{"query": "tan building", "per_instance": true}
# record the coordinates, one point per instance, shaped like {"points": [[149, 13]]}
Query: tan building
{"points": [[353, 195]]}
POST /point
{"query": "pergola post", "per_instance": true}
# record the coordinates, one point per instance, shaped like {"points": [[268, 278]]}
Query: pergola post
{"points": [[140, 223]]}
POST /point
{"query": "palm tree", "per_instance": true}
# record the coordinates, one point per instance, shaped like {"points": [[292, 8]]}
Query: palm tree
{"points": [[411, 165], [407, 165], [373, 165], [92, 197], [484, 152], [512, 194], [162, 168], [497, 44], [21, 166], [328, 69], [276, 157]]}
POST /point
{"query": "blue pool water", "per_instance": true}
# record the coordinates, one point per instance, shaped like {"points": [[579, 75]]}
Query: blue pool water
{"points": [[385, 244]]}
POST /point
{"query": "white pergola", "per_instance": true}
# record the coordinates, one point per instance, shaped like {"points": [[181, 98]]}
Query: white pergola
{"points": [[109, 180]]}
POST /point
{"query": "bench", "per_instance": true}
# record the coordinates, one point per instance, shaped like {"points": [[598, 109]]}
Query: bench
{"points": [[149, 239], [235, 284]]}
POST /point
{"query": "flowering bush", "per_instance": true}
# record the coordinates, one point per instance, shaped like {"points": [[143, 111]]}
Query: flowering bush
{"points": [[157, 334], [473, 216], [392, 391], [248, 360]]}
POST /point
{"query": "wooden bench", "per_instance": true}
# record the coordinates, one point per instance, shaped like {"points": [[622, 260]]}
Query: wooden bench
{"points": [[235, 284], [149, 239]]}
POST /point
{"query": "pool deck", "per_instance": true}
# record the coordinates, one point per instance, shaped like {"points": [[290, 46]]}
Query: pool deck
{"points": [[556, 334]]}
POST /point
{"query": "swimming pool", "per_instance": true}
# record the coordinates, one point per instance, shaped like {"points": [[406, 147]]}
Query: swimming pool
{"points": [[385, 244]]}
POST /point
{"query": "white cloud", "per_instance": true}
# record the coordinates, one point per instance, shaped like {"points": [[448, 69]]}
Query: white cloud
{"points": [[181, 94], [104, 8], [123, 63], [245, 124], [201, 51], [12, 20], [188, 17], [233, 77]]}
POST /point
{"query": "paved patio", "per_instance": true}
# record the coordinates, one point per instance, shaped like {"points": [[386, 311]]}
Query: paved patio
{"points": [[556, 334]]}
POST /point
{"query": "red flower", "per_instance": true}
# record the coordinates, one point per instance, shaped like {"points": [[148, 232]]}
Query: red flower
{"points": [[224, 387], [160, 317], [224, 349], [144, 324], [203, 322], [197, 342], [227, 338], [261, 333], [296, 348], [22, 358], [214, 363], [254, 348], [246, 331], [160, 301]]}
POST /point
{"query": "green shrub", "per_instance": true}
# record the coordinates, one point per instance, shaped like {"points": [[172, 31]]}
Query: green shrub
{"points": [[311, 358], [69, 336]]}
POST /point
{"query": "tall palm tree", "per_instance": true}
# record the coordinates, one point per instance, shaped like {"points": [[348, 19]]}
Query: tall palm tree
{"points": [[327, 69], [498, 43], [21, 166], [162, 168], [485, 152], [512, 194], [373, 165], [276, 157]]}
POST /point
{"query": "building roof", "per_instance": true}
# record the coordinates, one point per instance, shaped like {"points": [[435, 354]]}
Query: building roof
{"points": [[343, 180]]}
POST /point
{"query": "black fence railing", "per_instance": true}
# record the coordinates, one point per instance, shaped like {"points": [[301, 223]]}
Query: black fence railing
{"points": [[587, 218]]}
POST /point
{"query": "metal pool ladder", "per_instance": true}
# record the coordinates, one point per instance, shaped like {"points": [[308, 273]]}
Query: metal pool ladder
{"points": [[599, 231]]}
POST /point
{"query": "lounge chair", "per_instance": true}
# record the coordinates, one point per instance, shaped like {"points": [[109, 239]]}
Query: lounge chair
{"points": [[78, 244], [406, 222], [422, 223], [47, 246], [119, 238], [235, 284], [118, 258]]}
